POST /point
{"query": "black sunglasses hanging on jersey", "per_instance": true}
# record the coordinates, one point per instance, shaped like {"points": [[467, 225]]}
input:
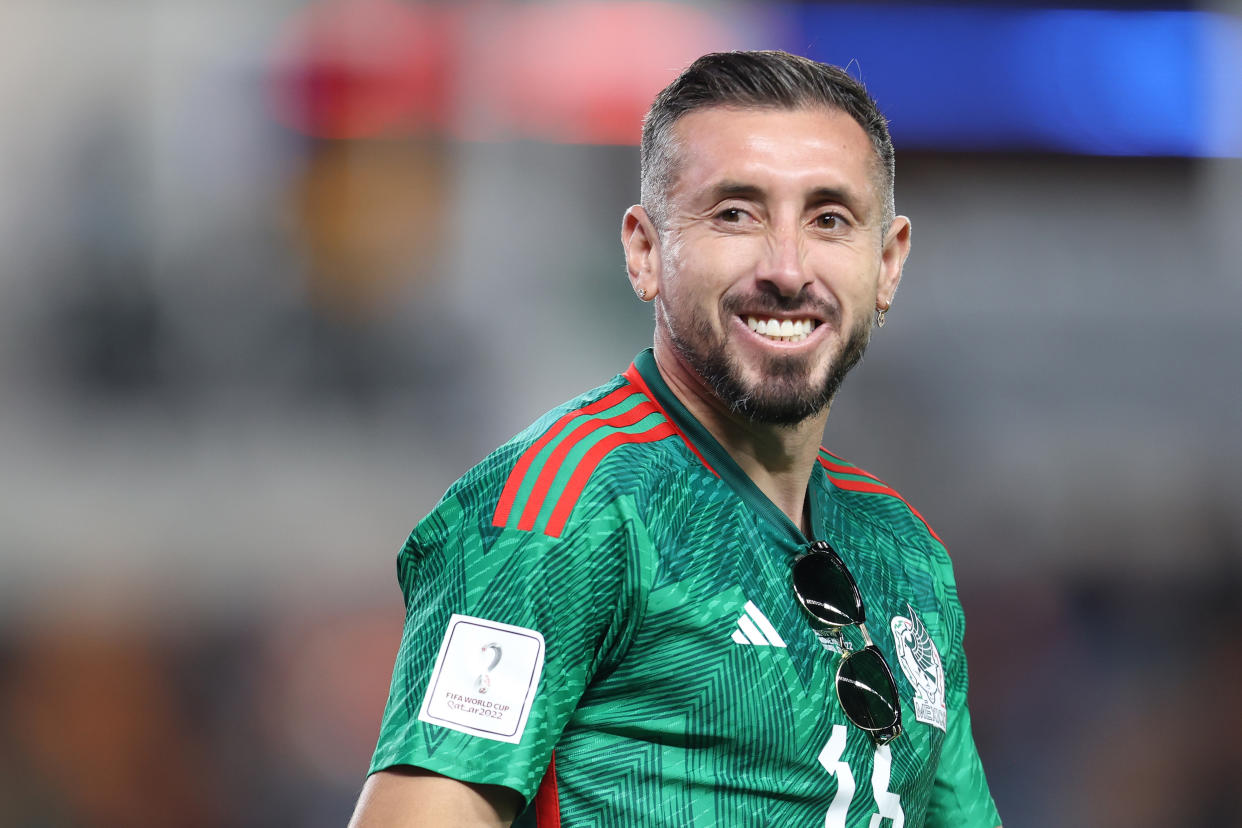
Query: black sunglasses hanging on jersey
{"points": [[865, 686]]}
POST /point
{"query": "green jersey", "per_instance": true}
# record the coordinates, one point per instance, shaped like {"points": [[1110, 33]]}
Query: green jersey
{"points": [[600, 616]]}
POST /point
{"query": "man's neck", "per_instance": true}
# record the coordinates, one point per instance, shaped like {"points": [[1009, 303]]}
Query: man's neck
{"points": [[777, 459]]}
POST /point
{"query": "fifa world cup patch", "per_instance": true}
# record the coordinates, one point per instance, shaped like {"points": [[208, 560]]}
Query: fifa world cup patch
{"points": [[485, 678], [920, 661]]}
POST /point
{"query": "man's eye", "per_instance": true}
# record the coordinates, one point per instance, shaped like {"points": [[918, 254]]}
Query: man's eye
{"points": [[732, 214], [830, 221]]}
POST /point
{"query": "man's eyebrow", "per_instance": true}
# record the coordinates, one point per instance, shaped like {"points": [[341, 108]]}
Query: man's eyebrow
{"points": [[736, 189], [834, 195]]}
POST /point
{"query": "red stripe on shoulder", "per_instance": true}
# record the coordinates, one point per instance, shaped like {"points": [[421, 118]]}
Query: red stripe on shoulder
{"points": [[514, 482], [578, 480], [863, 486], [833, 463], [636, 378], [547, 800], [553, 465], [878, 487]]}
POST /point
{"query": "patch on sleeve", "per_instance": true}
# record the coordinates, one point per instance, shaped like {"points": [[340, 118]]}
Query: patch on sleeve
{"points": [[485, 678]]}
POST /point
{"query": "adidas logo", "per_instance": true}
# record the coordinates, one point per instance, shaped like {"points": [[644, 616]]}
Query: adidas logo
{"points": [[754, 628]]}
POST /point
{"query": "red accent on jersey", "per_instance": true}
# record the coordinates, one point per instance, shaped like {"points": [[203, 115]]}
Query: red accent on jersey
{"points": [[636, 378], [878, 487], [578, 481], [863, 486], [553, 465], [514, 482], [547, 801], [841, 466]]}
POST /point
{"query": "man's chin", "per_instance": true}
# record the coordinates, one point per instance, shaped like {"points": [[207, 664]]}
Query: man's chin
{"points": [[782, 389], [756, 370], [783, 404]]}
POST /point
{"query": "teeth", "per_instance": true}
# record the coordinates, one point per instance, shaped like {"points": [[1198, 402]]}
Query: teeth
{"points": [[787, 330]]}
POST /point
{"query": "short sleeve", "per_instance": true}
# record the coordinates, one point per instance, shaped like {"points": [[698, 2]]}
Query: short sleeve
{"points": [[579, 594], [960, 796]]}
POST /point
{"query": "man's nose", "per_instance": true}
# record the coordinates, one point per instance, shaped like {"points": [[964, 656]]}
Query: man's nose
{"points": [[783, 265]]}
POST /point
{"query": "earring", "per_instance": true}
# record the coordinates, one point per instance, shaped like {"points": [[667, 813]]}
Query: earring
{"points": [[879, 317], [642, 294]]}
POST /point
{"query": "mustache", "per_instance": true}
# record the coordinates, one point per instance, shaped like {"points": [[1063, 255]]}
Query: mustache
{"points": [[761, 302]]}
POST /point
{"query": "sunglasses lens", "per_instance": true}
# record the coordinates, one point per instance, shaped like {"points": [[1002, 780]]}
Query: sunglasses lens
{"points": [[867, 692], [826, 589], [865, 686]]}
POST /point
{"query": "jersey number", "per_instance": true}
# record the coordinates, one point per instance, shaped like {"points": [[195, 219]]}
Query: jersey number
{"points": [[888, 802]]}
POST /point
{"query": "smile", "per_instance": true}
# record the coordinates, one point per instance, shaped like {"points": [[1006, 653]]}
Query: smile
{"points": [[783, 330]]}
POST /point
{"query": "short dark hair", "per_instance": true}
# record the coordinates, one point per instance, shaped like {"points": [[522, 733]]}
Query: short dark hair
{"points": [[776, 80]]}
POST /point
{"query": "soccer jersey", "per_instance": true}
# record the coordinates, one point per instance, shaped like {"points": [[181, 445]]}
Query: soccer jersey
{"points": [[600, 616]]}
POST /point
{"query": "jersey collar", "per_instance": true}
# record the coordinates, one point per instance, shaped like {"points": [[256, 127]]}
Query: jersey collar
{"points": [[717, 459]]}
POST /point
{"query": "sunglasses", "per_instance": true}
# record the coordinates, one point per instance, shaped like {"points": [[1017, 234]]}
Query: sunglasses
{"points": [[865, 687]]}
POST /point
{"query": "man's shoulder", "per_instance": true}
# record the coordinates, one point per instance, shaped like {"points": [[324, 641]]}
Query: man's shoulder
{"points": [[871, 498], [903, 538], [611, 440]]}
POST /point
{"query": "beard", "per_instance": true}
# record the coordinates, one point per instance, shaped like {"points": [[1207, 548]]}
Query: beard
{"points": [[785, 394]]}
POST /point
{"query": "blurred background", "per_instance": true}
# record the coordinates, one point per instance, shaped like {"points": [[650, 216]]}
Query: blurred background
{"points": [[273, 274]]}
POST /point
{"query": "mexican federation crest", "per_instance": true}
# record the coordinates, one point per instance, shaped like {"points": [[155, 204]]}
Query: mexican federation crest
{"points": [[919, 660]]}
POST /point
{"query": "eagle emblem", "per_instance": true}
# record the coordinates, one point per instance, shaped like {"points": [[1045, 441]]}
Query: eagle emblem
{"points": [[920, 661]]}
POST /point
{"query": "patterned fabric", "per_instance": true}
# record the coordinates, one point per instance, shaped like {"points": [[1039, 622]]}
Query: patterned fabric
{"points": [[682, 684]]}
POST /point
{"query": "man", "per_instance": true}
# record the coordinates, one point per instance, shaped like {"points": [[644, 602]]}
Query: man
{"points": [[663, 603]]}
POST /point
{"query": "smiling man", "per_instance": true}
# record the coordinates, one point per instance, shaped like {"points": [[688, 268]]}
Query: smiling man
{"points": [[664, 603]]}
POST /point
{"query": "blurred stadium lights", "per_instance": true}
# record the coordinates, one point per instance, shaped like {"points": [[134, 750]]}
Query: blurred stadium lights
{"points": [[362, 67], [587, 72], [565, 72], [1074, 81]]}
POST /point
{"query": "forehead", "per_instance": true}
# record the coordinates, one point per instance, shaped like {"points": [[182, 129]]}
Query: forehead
{"points": [[806, 148]]}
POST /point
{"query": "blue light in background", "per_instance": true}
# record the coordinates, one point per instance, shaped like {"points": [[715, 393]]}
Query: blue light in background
{"points": [[1087, 82]]}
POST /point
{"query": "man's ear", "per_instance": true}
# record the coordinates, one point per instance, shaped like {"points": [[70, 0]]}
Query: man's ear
{"points": [[892, 260], [642, 252]]}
